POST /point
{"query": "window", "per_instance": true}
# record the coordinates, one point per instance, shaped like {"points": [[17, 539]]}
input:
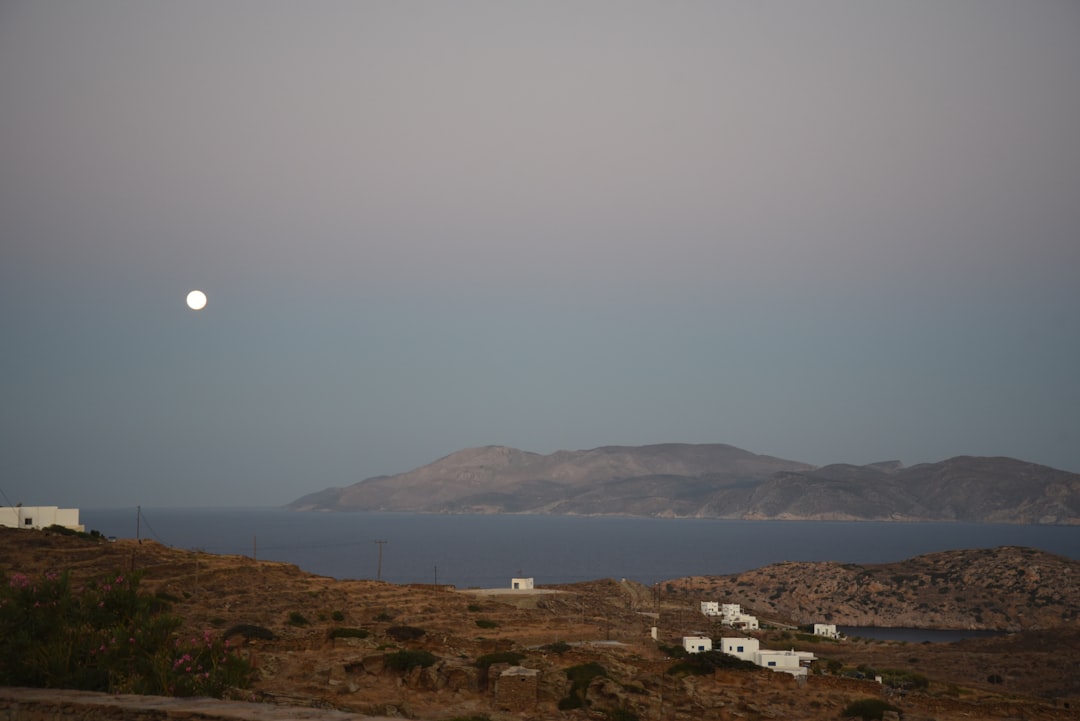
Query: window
{"points": [[28, 522], [739, 649], [772, 663]]}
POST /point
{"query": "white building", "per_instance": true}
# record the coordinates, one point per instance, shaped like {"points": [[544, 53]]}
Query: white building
{"points": [[749, 649], [828, 630], [731, 614], [521, 584], [40, 517], [710, 608], [697, 644]]}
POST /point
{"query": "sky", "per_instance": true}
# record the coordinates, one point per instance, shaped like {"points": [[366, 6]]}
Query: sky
{"points": [[833, 232]]}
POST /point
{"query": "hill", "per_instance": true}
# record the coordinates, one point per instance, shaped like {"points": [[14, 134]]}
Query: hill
{"points": [[303, 658], [715, 481]]}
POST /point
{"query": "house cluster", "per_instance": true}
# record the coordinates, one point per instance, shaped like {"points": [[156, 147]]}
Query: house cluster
{"points": [[40, 517], [793, 662], [731, 614], [796, 663]]}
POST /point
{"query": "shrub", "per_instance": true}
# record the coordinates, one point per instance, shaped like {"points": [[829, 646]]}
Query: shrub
{"points": [[511, 657], [904, 679], [349, 633], [337, 616], [109, 637], [405, 660], [559, 647], [474, 607], [297, 619], [704, 663], [405, 633], [580, 677], [250, 631], [621, 714], [867, 709], [486, 623]]}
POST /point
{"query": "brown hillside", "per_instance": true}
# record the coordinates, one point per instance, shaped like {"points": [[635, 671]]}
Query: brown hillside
{"points": [[303, 665]]}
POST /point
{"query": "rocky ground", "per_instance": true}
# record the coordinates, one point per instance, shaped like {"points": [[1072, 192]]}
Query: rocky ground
{"points": [[1030, 675]]}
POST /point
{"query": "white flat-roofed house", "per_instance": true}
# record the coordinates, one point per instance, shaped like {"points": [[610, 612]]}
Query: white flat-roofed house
{"points": [[697, 644], [749, 649], [740, 647], [521, 584], [731, 614], [40, 517], [710, 608], [828, 630], [791, 662]]}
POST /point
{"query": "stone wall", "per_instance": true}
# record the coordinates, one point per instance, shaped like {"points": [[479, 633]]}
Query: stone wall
{"points": [[40, 704]]}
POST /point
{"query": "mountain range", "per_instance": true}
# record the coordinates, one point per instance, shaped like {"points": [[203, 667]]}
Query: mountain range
{"points": [[715, 481]]}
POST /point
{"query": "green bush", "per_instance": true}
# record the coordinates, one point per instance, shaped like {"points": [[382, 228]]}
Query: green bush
{"points": [[559, 647], [907, 680], [108, 637], [337, 616], [511, 657], [580, 677], [349, 633], [249, 631], [868, 709], [704, 663], [298, 619], [405, 633], [405, 660], [486, 623], [621, 714]]}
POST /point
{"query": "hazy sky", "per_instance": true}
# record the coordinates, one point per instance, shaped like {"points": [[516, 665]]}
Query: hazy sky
{"points": [[826, 231]]}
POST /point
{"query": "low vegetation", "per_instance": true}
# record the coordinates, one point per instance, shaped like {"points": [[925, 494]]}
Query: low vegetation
{"points": [[868, 709], [107, 636], [408, 659], [340, 632], [580, 677], [405, 633]]}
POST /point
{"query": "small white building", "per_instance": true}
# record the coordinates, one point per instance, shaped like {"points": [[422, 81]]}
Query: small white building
{"points": [[828, 630], [749, 649], [697, 644], [731, 614], [40, 517], [710, 608], [521, 584], [739, 647]]}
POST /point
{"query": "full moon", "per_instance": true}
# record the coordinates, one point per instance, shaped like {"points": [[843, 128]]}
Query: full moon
{"points": [[196, 300]]}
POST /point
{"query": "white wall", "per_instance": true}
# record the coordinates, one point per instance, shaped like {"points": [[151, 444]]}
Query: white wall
{"points": [[697, 644], [39, 517], [743, 648]]}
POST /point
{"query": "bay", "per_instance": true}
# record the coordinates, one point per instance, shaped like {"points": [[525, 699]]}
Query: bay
{"points": [[914, 635], [488, 550]]}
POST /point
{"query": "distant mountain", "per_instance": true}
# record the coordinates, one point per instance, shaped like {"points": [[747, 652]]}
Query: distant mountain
{"points": [[715, 481]]}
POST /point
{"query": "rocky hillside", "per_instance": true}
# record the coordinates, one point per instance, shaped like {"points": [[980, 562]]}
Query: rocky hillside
{"points": [[1005, 589], [289, 625], [715, 481]]}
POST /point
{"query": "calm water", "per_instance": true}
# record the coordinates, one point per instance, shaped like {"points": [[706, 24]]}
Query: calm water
{"points": [[480, 551], [914, 635]]}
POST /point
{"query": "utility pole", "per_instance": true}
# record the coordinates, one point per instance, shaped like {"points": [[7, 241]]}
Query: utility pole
{"points": [[378, 571]]}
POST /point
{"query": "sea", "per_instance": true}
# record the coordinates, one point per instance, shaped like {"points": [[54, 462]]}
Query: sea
{"points": [[486, 551]]}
